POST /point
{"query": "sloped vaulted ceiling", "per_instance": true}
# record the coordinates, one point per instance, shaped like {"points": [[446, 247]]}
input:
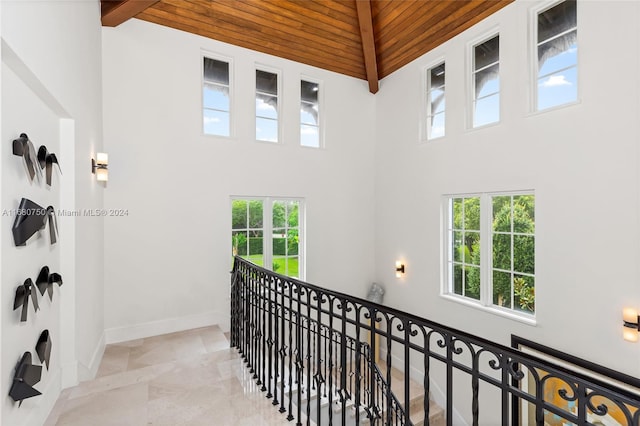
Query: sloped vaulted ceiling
{"points": [[366, 39]]}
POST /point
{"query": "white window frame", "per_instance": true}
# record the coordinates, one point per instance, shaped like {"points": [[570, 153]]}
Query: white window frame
{"points": [[229, 60], [267, 228], [264, 68], [321, 102], [425, 128], [471, 72], [533, 54], [485, 303]]}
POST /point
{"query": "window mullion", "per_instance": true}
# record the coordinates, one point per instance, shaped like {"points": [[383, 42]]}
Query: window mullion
{"points": [[486, 250]]}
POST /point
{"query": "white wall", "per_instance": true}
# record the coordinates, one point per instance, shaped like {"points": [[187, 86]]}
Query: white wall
{"points": [[51, 90], [167, 263], [582, 162]]}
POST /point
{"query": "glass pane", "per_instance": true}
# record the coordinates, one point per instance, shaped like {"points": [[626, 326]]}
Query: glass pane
{"points": [[266, 82], [524, 293], [293, 266], [216, 71], [556, 20], [437, 101], [292, 213], [436, 76], [472, 248], [524, 254], [239, 243], [266, 129], [267, 106], [558, 89], [256, 248], [279, 242], [487, 81], [487, 111], [255, 214], [502, 251], [308, 113], [437, 126], [458, 246], [501, 214], [486, 53], [278, 214], [457, 279], [216, 97], [472, 282], [292, 241], [457, 213], [309, 92], [239, 214], [472, 213], [216, 123], [522, 223], [502, 289], [528, 204], [557, 54], [279, 265], [309, 136]]}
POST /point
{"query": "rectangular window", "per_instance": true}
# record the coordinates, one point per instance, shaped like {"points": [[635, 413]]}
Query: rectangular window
{"points": [[216, 98], [486, 82], [435, 102], [490, 241], [268, 232], [309, 114], [557, 55], [267, 106]]}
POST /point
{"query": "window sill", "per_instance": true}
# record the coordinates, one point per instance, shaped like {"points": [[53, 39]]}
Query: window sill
{"points": [[554, 108], [505, 313]]}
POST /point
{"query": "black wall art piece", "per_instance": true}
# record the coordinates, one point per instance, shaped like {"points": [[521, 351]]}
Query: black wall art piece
{"points": [[23, 292], [25, 377], [46, 280], [43, 348], [46, 160], [31, 218], [23, 147]]}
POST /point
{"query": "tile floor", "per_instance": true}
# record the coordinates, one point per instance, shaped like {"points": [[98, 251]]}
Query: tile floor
{"points": [[185, 378]]}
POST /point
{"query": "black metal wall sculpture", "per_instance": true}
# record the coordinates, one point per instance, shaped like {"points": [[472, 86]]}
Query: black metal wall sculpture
{"points": [[23, 147], [25, 377], [31, 218], [23, 292], [46, 160], [46, 280], [43, 347]]}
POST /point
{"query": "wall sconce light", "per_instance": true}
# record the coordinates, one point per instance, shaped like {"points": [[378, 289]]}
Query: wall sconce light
{"points": [[631, 324], [100, 166], [399, 269]]}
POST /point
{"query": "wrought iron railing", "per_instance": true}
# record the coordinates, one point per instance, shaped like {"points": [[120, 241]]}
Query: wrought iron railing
{"points": [[312, 351]]}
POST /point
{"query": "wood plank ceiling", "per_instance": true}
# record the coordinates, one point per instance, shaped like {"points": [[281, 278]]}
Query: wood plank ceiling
{"points": [[366, 39]]}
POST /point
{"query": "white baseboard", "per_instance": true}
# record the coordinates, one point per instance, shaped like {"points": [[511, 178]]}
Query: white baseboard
{"points": [[436, 391], [155, 328], [88, 372]]}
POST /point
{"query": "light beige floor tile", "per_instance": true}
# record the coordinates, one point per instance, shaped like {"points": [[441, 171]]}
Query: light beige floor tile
{"points": [[123, 406]]}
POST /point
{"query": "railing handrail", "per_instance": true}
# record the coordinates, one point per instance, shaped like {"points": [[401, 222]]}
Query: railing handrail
{"points": [[454, 342]]}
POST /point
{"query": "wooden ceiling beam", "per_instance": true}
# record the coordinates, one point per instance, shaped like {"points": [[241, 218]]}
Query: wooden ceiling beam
{"points": [[117, 12], [368, 43]]}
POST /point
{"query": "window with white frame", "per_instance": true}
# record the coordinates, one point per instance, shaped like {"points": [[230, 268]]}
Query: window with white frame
{"points": [[490, 249], [268, 232], [486, 82], [309, 114], [267, 106], [435, 101], [216, 98], [557, 55]]}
